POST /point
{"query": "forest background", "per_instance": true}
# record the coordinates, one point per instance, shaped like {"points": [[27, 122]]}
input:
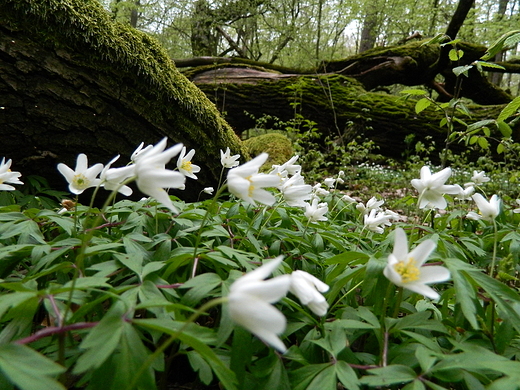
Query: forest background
{"points": [[300, 34]]}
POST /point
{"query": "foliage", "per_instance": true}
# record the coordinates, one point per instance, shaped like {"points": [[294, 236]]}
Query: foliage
{"points": [[117, 297]]}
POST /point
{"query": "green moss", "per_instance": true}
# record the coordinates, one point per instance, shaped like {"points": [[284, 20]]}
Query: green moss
{"points": [[84, 30], [278, 146]]}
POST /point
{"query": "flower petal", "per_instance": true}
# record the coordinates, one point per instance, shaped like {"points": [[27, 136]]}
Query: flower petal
{"points": [[421, 252], [434, 274]]}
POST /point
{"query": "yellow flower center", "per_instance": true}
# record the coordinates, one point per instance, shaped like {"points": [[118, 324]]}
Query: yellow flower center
{"points": [[186, 165], [408, 271], [80, 181]]}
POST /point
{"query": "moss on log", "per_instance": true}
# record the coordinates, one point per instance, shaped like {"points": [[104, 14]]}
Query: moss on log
{"points": [[72, 81], [339, 105]]}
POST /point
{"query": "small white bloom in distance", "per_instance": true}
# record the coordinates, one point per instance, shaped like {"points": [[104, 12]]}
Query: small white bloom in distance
{"points": [[308, 288], [348, 199], [82, 177], [208, 190], [372, 204], [329, 182], [517, 210], [431, 188], [247, 184], [479, 177], [488, 210], [464, 193], [288, 168], [375, 219], [8, 176], [407, 269], [227, 160], [320, 191], [184, 164], [250, 303], [315, 211]]}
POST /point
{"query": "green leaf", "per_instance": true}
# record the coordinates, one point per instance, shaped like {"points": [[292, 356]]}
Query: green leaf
{"points": [[200, 286], [301, 378], [422, 104], [505, 129], [509, 110], [485, 64], [224, 374], [198, 364], [480, 124], [455, 54], [131, 356], [28, 369], [325, 380], [483, 143], [389, 375], [100, 342], [505, 40], [461, 70], [346, 375]]}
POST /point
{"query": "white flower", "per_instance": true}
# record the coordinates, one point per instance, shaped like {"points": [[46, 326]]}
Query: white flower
{"points": [[307, 288], [295, 191], [376, 218], [315, 212], [152, 177], [246, 183], [208, 190], [488, 210], [393, 216], [112, 178], [348, 199], [432, 188], [82, 177], [8, 176], [320, 191], [329, 182], [250, 299], [227, 160], [517, 210], [406, 269], [372, 204], [464, 194], [479, 177], [139, 152], [184, 164], [288, 168]]}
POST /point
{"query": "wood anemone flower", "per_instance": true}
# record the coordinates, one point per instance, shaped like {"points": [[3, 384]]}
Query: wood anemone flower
{"points": [[247, 184], [82, 177], [407, 269], [432, 188], [250, 303]]}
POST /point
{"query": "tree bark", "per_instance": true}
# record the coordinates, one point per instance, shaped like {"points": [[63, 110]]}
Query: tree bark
{"points": [[339, 106]]}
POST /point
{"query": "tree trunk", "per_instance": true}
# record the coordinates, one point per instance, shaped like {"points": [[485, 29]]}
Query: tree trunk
{"points": [[340, 107], [72, 81]]}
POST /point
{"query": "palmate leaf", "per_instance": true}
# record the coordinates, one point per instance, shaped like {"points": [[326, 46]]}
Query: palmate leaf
{"points": [[28, 369], [101, 341], [389, 375]]}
